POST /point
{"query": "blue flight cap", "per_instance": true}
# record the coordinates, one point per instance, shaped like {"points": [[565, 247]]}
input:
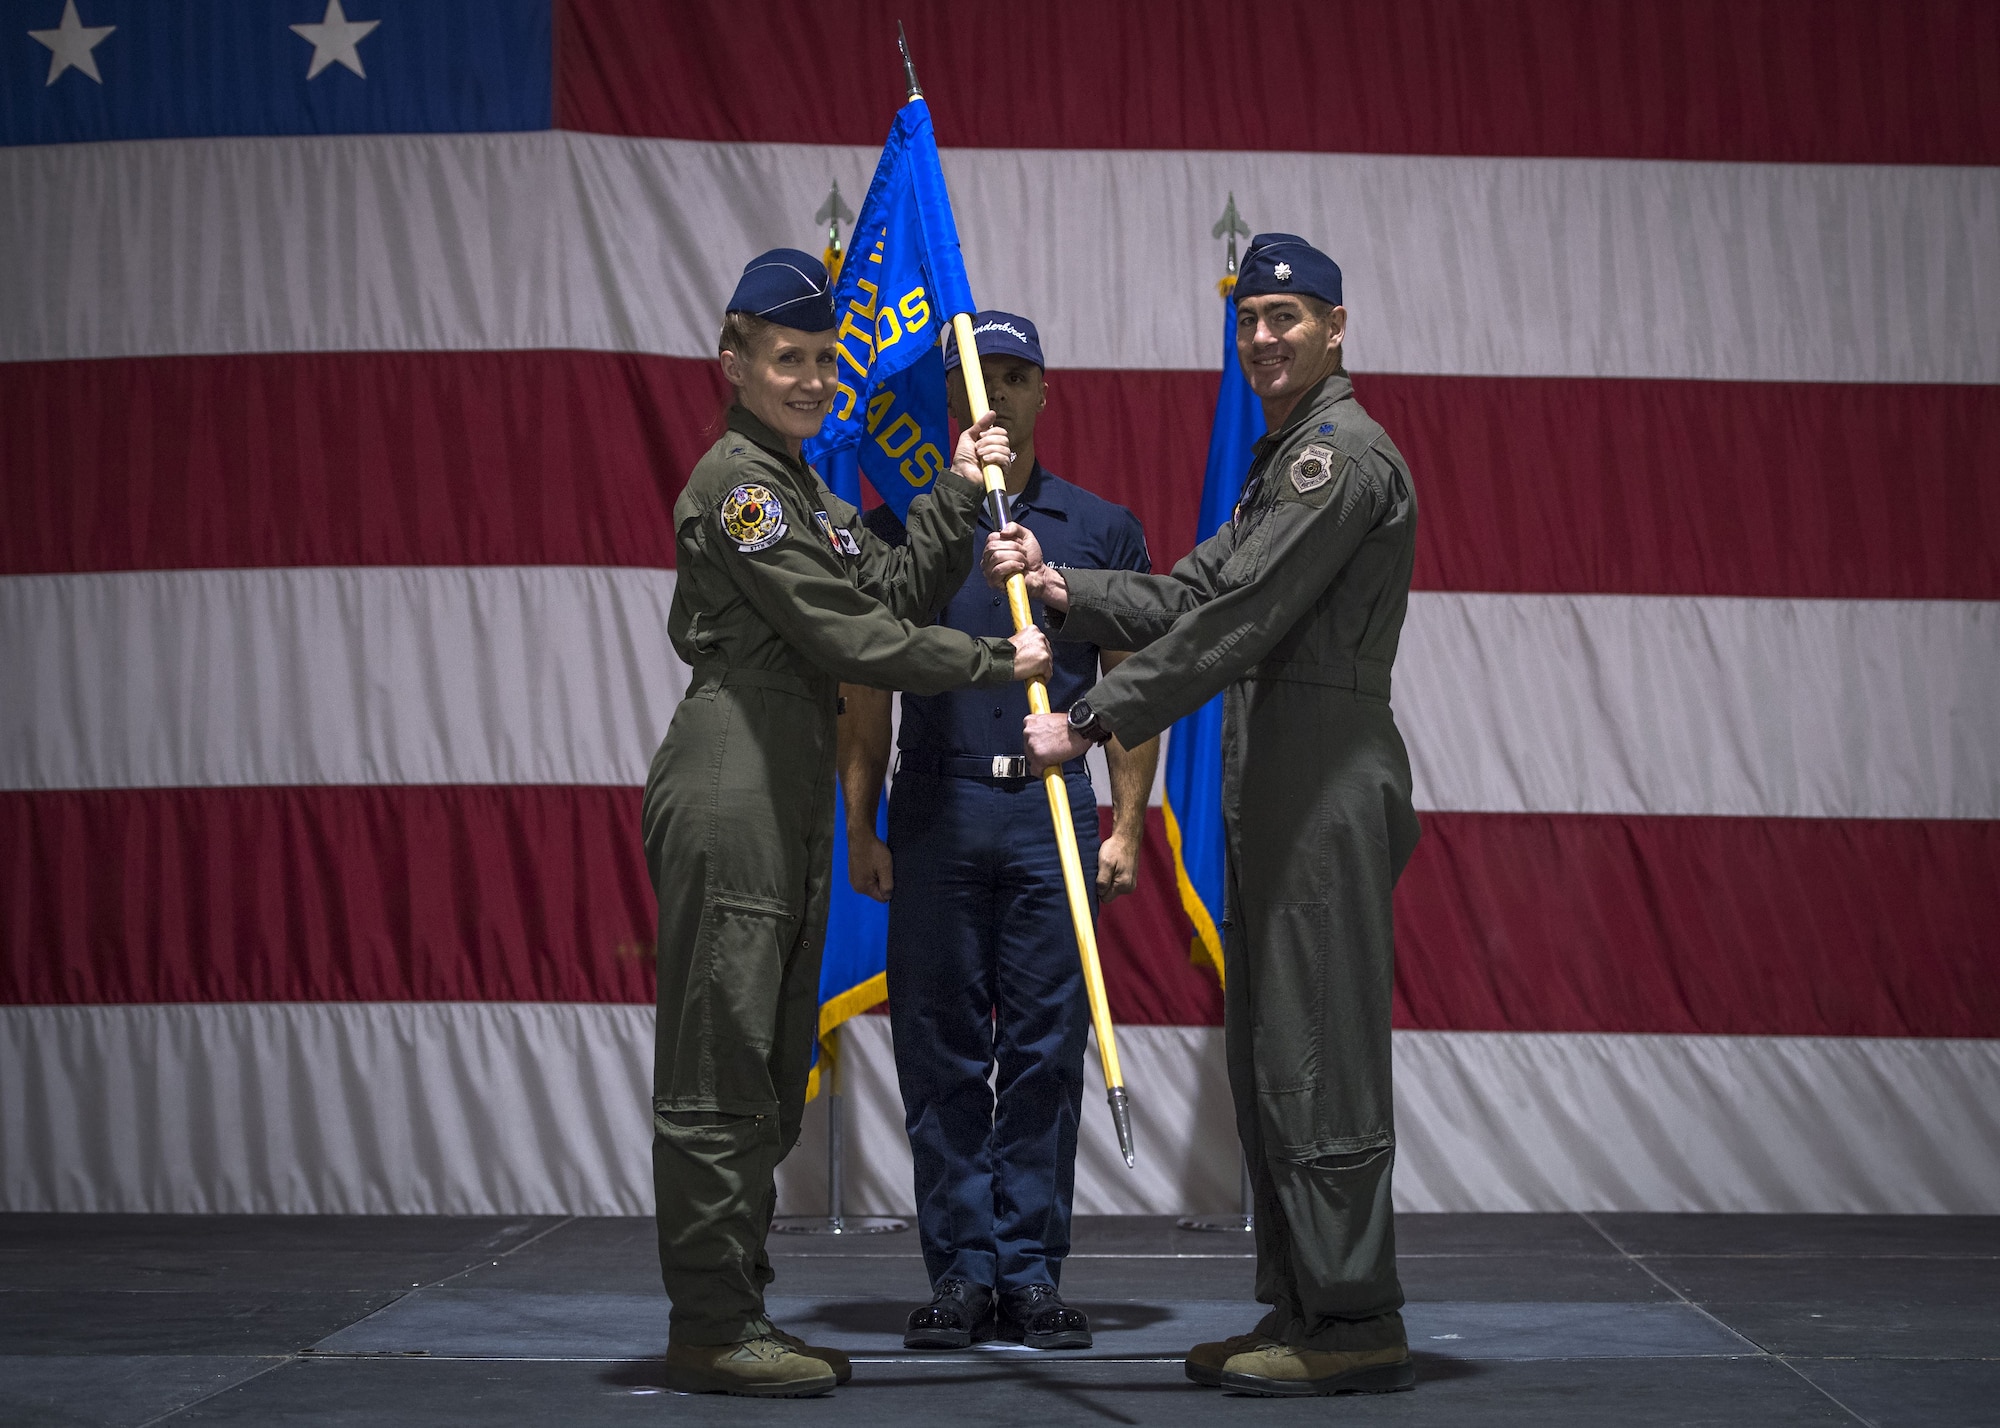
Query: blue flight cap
{"points": [[787, 287], [1000, 334], [1286, 263]]}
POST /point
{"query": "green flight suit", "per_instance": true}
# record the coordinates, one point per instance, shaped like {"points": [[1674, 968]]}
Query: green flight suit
{"points": [[1295, 608], [782, 594]]}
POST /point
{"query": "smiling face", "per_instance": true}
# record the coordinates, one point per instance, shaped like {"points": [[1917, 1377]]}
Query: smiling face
{"points": [[1287, 344], [786, 379]]}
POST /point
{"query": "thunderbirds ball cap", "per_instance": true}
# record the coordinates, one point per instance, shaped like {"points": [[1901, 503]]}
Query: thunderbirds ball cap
{"points": [[1000, 334]]}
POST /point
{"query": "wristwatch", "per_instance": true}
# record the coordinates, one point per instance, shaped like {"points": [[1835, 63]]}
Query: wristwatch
{"points": [[1083, 720]]}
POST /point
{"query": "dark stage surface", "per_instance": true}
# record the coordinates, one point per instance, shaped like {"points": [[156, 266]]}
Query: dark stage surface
{"points": [[1542, 1320]]}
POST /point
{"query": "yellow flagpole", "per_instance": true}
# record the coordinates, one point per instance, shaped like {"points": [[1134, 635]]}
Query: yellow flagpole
{"points": [[1052, 777], [1038, 702]]}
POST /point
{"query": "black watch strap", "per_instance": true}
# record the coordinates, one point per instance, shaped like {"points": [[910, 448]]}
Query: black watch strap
{"points": [[1083, 719]]}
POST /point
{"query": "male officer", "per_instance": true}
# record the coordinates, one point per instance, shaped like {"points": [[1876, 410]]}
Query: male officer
{"points": [[983, 969], [1295, 608], [779, 598]]}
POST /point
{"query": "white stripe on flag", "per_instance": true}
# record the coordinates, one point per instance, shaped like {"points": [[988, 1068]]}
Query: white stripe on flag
{"points": [[469, 1108], [1682, 705], [367, 675], [564, 675], [1515, 267]]}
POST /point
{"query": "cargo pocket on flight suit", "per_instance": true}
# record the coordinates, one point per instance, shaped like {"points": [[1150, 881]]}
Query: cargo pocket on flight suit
{"points": [[1290, 953], [741, 960]]}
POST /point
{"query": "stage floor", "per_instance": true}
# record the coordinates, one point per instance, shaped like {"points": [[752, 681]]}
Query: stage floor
{"points": [[1542, 1320]]}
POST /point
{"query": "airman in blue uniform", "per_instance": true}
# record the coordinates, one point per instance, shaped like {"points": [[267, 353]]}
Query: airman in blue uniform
{"points": [[983, 970]]}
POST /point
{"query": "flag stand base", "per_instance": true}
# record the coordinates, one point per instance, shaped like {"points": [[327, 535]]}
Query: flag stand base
{"points": [[833, 1222], [837, 1225], [1222, 1223], [1226, 1224]]}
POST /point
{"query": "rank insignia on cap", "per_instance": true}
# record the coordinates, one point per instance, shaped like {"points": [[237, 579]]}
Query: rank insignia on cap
{"points": [[1312, 468], [752, 517], [1283, 272]]}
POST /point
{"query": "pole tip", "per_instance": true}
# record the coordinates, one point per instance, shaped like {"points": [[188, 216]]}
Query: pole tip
{"points": [[1121, 1120], [915, 90]]}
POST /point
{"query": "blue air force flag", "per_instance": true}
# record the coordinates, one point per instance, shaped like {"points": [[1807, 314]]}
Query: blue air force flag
{"points": [[901, 283], [903, 280], [1193, 793]]}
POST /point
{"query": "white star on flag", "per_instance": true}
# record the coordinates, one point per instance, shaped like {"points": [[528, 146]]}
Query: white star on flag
{"points": [[70, 44], [335, 40]]}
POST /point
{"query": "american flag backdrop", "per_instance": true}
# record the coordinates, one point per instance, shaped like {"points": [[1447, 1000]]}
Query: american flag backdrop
{"points": [[352, 353]]}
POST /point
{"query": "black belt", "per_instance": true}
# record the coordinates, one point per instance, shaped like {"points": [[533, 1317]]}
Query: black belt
{"points": [[1366, 677], [710, 676], [1000, 768]]}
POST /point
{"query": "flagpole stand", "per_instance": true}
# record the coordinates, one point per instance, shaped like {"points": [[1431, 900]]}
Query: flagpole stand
{"points": [[1239, 1224], [834, 1222]]}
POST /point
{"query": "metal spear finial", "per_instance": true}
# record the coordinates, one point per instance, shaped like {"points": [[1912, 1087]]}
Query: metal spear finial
{"points": [[1121, 1121], [909, 69], [1231, 223], [833, 213]]}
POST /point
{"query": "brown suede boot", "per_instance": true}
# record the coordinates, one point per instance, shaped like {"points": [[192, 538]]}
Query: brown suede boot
{"points": [[1281, 1371], [842, 1366], [756, 1368], [1204, 1361]]}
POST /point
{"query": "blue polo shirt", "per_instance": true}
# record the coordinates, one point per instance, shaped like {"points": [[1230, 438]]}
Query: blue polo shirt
{"points": [[1075, 528]]}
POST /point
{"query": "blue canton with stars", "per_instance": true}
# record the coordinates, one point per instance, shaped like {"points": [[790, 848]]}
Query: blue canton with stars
{"points": [[81, 70]]}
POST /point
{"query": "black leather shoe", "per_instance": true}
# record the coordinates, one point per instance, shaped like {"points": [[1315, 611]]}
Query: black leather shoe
{"points": [[947, 1322], [1037, 1317]]}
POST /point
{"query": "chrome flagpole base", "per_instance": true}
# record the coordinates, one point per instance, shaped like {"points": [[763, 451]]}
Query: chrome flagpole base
{"points": [[1237, 1224], [1226, 1224], [837, 1225]]}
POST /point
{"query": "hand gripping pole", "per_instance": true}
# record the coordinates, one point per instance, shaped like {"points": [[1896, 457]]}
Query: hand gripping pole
{"points": [[1052, 777]]}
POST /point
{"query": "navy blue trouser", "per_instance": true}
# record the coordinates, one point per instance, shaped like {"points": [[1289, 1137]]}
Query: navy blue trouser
{"points": [[983, 977]]}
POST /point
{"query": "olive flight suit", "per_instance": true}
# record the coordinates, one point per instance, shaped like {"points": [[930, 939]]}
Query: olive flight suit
{"points": [[1295, 608], [781, 595]]}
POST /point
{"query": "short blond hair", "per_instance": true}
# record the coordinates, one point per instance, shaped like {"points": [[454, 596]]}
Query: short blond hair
{"points": [[743, 333]]}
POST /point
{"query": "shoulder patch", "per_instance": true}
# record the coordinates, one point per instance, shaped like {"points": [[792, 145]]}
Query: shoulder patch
{"points": [[1313, 467], [752, 517]]}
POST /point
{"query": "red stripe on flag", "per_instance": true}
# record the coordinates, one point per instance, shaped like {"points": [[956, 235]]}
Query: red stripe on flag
{"points": [[1505, 922], [325, 894], [1792, 490], [1726, 926], [350, 458], [1798, 81], [1581, 486]]}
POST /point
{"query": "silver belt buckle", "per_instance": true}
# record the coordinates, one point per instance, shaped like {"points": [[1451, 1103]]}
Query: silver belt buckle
{"points": [[1005, 766]]}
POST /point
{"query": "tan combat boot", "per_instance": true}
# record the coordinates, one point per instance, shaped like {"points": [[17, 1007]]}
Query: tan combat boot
{"points": [[1204, 1361], [756, 1368], [843, 1368], [1281, 1371]]}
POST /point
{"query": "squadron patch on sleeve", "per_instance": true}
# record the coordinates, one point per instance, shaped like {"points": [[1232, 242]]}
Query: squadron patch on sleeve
{"points": [[752, 517], [1314, 467]]}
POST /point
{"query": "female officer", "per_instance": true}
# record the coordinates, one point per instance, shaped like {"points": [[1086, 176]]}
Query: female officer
{"points": [[782, 594]]}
